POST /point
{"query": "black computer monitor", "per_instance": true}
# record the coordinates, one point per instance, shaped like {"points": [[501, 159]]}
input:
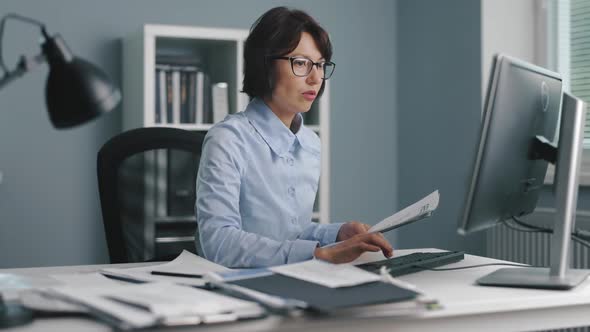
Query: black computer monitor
{"points": [[520, 119]]}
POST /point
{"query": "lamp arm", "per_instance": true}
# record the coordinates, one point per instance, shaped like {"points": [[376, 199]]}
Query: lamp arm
{"points": [[25, 63]]}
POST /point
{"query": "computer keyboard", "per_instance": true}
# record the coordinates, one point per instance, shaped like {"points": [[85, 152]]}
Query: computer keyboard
{"points": [[415, 262]]}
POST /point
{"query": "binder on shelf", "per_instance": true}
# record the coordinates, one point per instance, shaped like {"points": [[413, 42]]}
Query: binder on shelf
{"points": [[188, 91], [169, 97], [158, 108], [184, 96], [161, 103], [192, 101], [175, 96], [200, 77], [220, 101], [207, 102]]}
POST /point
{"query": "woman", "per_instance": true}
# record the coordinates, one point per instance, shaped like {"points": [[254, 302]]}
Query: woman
{"points": [[260, 168]]}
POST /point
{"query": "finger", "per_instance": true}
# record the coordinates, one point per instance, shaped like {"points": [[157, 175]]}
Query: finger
{"points": [[367, 227], [358, 227], [380, 235], [379, 240], [368, 247], [361, 229]]}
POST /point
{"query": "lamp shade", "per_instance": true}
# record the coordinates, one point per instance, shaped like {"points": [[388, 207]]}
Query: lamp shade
{"points": [[76, 90]]}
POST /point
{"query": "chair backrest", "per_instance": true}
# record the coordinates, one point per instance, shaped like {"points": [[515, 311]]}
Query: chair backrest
{"points": [[151, 151]]}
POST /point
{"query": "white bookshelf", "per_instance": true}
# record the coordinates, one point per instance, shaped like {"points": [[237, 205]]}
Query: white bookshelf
{"points": [[222, 51]]}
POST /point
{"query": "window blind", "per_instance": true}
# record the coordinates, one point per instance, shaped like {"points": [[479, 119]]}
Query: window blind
{"points": [[579, 49]]}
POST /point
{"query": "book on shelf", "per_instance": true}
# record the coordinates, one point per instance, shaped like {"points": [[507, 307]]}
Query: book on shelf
{"points": [[184, 93], [175, 96], [220, 101], [183, 96], [192, 101], [169, 96], [158, 115], [199, 97], [161, 102]]}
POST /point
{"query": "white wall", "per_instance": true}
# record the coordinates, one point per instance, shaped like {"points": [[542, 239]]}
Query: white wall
{"points": [[509, 26]]}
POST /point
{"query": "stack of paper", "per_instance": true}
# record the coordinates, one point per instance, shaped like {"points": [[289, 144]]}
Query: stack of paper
{"points": [[132, 306], [327, 274], [186, 269], [314, 285]]}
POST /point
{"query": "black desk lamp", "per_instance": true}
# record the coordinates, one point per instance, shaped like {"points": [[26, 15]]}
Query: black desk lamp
{"points": [[76, 92]]}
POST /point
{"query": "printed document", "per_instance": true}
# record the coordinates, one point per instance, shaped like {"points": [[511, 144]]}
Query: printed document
{"points": [[417, 211], [326, 274]]}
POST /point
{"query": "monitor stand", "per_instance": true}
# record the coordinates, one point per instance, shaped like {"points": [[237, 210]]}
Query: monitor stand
{"points": [[569, 155]]}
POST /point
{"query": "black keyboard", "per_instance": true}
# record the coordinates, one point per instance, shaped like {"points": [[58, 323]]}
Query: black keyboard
{"points": [[415, 262]]}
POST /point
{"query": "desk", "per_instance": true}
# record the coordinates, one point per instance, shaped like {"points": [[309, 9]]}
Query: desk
{"points": [[467, 307]]}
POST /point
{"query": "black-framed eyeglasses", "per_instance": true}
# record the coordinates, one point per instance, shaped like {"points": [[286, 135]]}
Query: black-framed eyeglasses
{"points": [[302, 66]]}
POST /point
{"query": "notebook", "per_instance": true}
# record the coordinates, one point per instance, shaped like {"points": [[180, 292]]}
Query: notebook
{"points": [[322, 298]]}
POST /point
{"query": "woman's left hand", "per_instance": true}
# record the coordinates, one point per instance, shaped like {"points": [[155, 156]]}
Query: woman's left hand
{"points": [[351, 229]]}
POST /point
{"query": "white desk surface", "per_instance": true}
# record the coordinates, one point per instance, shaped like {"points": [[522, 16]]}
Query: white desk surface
{"points": [[466, 306]]}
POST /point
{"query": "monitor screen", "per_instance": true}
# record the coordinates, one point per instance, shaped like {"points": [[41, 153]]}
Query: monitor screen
{"points": [[522, 101]]}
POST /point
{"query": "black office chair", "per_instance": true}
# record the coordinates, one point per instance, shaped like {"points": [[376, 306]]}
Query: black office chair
{"points": [[146, 181]]}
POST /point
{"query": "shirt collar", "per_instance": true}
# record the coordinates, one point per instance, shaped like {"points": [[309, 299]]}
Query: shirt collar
{"points": [[273, 130]]}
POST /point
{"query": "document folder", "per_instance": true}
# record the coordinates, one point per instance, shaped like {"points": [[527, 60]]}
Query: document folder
{"points": [[323, 298]]}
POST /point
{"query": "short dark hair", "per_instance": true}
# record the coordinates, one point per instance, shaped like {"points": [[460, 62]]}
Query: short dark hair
{"points": [[276, 33]]}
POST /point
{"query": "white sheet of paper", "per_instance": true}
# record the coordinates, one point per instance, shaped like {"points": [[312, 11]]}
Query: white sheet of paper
{"points": [[326, 274], [186, 262], [85, 280], [421, 208], [158, 301], [129, 316], [36, 298], [170, 300]]}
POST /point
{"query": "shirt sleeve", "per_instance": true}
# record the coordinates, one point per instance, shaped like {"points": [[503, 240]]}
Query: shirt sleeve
{"points": [[221, 236], [324, 234]]}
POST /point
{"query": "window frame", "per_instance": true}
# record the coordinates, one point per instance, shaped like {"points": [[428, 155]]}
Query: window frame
{"points": [[550, 47]]}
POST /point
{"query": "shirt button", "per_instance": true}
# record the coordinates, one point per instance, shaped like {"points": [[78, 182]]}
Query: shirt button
{"points": [[290, 161], [294, 219], [291, 191]]}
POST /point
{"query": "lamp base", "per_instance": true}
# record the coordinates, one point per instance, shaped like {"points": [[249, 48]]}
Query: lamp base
{"points": [[12, 314]]}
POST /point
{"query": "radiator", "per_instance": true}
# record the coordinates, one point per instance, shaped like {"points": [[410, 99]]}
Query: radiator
{"points": [[533, 248]]}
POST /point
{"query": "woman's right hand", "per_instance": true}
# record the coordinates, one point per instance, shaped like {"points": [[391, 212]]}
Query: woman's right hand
{"points": [[350, 249]]}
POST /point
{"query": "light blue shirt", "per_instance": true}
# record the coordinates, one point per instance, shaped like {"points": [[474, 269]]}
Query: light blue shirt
{"points": [[256, 186]]}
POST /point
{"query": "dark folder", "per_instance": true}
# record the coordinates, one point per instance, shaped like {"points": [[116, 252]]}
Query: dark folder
{"points": [[323, 298]]}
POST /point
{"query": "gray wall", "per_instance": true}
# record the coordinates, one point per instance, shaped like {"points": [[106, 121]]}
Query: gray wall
{"points": [[439, 98], [49, 207]]}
